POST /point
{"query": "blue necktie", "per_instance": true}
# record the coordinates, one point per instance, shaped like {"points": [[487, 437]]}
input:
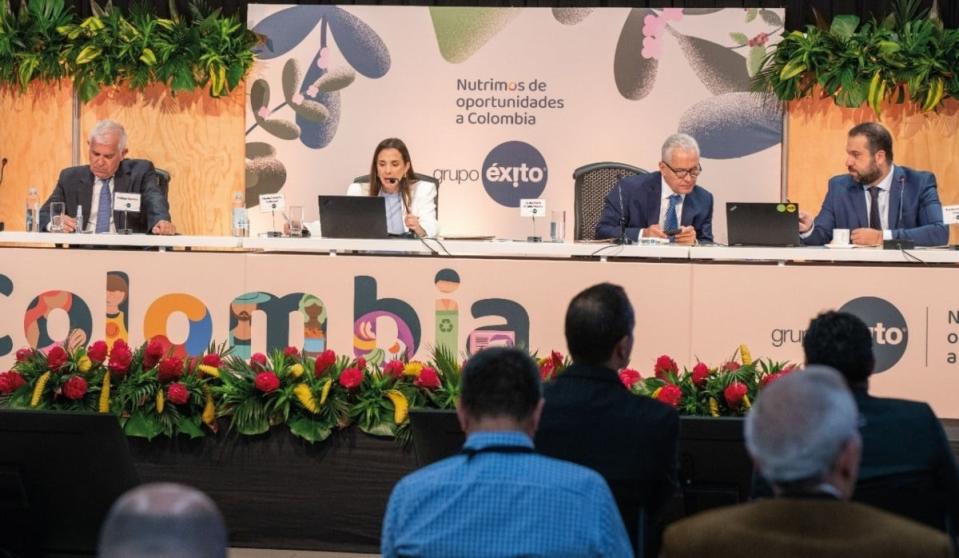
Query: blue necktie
{"points": [[672, 223], [103, 208]]}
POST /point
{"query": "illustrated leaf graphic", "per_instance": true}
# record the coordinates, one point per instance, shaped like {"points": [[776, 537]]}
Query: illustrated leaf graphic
{"points": [[283, 129], [701, 11], [311, 111], [734, 124], [313, 133], [634, 75], [263, 176], [259, 95], [755, 61], [720, 69], [461, 32], [335, 79], [739, 38], [259, 150], [291, 78], [286, 28], [771, 17], [359, 44]]}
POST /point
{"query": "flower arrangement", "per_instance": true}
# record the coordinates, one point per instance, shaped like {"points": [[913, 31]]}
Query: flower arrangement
{"points": [[155, 390]]}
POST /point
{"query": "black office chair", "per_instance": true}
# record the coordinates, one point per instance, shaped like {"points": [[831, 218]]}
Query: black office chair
{"points": [[593, 183], [912, 494], [423, 177], [163, 178]]}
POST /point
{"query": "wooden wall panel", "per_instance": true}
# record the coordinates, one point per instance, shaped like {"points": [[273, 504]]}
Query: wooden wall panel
{"points": [[198, 139], [35, 130], [816, 145]]}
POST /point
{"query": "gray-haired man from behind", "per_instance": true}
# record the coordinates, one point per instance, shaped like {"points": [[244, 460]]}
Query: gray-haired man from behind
{"points": [[163, 520], [803, 436]]}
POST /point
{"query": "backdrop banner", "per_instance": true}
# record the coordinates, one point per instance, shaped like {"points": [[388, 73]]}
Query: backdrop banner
{"points": [[502, 104]]}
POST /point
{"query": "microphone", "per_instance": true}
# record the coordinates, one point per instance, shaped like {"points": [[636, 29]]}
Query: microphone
{"points": [[3, 165], [623, 239], [902, 191]]}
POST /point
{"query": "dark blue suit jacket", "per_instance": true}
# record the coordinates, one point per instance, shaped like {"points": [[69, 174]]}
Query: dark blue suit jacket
{"points": [[641, 199], [915, 212]]}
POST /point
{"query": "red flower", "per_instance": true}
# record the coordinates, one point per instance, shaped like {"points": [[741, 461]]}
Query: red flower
{"points": [[56, 357], [212, 359], [170, 369], [120, 358], [266, 382], [770, 378], [664, 367], [557, 359], [547, 370], [351, 378], [731, 366], [258, 359], [98, 351], [700, 374], [326, 359], [670, 394], [291, 352], [24, 353], [629, 377], [153, 353], [361, 363], [428, 378], [177, 393], [394, 369], [734, 394], [75, 388], [10, 382]]}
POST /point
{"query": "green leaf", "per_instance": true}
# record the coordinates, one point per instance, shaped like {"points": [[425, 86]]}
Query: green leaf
{"points": [[141, 425], [310, 430], [189, 426], [751, 14], [771, 17], [791, 69], [755, 61], [739, 38], [844, 26]]}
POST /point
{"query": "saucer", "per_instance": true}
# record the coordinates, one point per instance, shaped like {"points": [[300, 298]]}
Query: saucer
{"points": [[833, 245]]}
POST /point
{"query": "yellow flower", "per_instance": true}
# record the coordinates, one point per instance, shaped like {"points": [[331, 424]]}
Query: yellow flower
{"points": [[746, 403], [656, 393], [104, 405], [84, 364], [38, 388], [401, 406], [209, 409], [209, 370], [744, 354], [413, 368], [296, 370], [326, 390], [713, 407], [305, 397], [160, 400]]}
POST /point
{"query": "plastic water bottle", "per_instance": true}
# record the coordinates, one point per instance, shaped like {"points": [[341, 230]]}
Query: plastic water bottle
{"points": [[241, 227], [79, 228], [33, 210]]}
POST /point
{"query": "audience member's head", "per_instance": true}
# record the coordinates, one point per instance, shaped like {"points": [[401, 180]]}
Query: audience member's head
{"points": [[599, 326], [803, 433], [842, 341], [163, 520], [501, 391]]}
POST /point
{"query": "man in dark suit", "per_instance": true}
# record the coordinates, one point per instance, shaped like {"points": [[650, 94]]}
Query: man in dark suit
{"points": [[664, 204], [94, 186], [877, 200], [899, 436], [591, 418], [802, 434]]}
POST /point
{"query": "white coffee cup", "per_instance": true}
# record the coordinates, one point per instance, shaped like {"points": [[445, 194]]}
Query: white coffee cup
{"points": [[840, 236]]}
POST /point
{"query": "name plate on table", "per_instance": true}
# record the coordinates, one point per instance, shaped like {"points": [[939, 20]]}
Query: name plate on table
{"points": [[532, 207], [126, 201], [272, 202]]}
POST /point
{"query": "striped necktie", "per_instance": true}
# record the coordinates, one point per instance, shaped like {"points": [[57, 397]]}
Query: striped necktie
{"points": [[103, 206]]}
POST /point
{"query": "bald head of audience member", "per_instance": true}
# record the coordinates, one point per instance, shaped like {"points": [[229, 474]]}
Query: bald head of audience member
{"points": [[803, 434], [163, 520]]}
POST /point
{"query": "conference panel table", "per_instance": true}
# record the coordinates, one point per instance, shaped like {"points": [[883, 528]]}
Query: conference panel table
{"points": [[691, 303]]}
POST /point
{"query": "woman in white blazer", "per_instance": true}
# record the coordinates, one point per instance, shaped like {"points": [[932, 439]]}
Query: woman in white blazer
{"points": [[410, 203]]}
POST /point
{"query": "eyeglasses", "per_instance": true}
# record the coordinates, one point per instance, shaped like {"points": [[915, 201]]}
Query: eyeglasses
{"points": [[683, 173]]}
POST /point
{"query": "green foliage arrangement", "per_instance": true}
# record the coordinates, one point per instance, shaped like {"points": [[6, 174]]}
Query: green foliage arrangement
{"points": [[45, 40], [909, 55]]}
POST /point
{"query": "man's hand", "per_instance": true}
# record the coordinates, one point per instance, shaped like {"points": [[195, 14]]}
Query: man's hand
{"points": [[805, 222], [866, 237], [686, 236], [68, 223], [654, 231], [164, 227]]}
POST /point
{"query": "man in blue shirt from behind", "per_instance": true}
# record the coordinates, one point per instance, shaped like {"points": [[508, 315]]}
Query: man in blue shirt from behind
{"points": [[498, 497]]}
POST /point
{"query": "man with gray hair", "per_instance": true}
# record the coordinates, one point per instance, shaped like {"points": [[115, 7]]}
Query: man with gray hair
{"points": [[163, 520], [803, 436], [93, 188], [667, 204]]}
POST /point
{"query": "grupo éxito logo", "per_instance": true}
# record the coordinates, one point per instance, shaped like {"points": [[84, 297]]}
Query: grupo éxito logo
{"points": [[890, 335], [512, 171]]}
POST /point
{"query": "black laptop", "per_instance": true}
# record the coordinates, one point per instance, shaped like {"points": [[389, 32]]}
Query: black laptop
{"points": [[353, 217], [762, 224]]}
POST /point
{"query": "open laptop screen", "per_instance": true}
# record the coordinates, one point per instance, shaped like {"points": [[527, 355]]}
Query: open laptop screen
{"points": [[352, 216], [762, 224]]}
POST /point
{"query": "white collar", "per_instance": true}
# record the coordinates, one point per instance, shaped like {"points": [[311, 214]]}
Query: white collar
{"points": [[665, 191], [886, 183]]}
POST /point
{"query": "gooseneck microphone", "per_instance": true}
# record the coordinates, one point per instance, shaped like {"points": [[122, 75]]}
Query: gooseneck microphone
{"points": [[902, 192], [623, 239], [3, 165]]}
